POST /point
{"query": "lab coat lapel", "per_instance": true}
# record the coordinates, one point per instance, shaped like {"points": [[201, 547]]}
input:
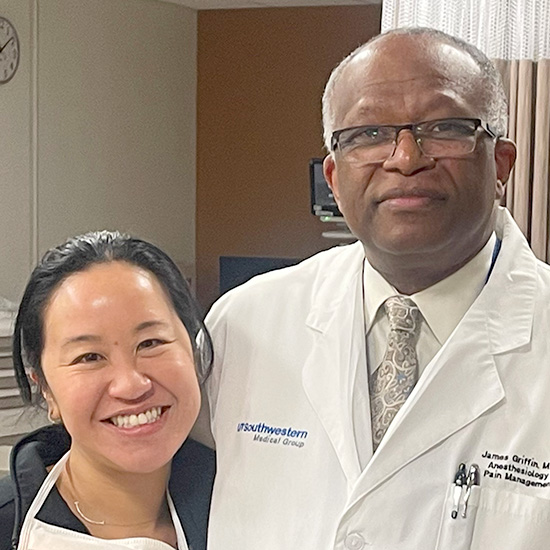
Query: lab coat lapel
{"points": [[462, 382], [337, 321]]}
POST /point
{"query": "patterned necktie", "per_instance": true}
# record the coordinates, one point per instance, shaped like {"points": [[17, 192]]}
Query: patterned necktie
{"points": [[394, 379]]}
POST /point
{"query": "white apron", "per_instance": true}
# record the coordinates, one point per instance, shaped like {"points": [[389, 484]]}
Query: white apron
{"points": [[37, 535]]}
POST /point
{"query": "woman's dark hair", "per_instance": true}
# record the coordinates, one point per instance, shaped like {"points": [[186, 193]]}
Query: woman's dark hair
{"points": [[78, 254]]}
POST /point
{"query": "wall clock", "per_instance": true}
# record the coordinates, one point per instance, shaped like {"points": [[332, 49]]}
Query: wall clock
{"points": [[9, 50]]}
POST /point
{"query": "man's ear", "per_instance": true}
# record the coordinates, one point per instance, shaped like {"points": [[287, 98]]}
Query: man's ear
{"points": [[505, 157], [331, 175]]}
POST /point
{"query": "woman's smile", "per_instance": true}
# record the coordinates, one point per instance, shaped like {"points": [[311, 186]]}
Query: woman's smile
{"points": [[133, 420]]}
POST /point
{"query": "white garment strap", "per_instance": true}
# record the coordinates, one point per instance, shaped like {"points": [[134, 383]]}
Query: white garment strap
{"points": [[37, 535], [180, 535], [39, 500]]}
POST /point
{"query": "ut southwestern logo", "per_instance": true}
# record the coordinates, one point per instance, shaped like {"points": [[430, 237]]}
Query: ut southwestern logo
{"points": [[274, 435]]}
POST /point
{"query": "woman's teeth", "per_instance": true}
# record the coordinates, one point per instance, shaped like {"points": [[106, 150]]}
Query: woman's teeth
{"points": [[132, 420]]}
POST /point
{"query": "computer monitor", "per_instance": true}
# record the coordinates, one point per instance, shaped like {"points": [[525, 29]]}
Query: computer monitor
{"points": [[236, 270], [322, 199]]}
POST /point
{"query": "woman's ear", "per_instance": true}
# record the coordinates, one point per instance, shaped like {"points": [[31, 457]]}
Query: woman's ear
{"points": [[54, 415], [34, 377]]}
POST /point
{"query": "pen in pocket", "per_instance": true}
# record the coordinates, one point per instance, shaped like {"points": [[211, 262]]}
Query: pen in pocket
{"points": [[464, 480]]}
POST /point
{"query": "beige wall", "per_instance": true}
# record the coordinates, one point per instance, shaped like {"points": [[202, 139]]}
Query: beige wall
{"points": [[15, 159], [115, 125], [261, 74]]}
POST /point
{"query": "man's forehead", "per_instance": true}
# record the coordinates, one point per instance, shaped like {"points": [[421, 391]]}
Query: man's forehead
{"points": [[383, 108], [401, 57], [406, 69]]}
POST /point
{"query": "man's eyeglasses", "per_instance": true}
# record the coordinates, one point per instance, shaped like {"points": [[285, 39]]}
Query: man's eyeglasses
{"points": [[444, 138]]}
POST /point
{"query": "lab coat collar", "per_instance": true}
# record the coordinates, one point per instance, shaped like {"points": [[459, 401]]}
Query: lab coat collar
{"points": [[510, 293], [513, 277], [335, 284]]}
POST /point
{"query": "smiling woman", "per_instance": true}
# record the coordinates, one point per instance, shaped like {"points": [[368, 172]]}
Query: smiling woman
{"points": [[110, 338]]}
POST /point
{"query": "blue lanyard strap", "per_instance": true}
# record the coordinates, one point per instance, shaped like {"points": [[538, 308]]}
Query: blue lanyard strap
{"points": [[496, 251]]}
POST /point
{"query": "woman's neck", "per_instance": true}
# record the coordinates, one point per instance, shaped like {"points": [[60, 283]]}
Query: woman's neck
{"points": [[114, 504]]}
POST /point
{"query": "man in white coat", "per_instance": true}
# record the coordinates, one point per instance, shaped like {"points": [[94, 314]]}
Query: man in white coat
{"points": [[315, 452]]}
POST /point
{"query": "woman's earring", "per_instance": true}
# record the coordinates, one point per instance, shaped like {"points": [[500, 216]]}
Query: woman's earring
{"points": [[52, 419]]}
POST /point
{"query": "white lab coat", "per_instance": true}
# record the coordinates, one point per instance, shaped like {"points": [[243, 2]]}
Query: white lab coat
{"points": [[289, 346]]}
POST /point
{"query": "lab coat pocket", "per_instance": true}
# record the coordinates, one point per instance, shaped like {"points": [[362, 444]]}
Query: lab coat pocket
{"points": [[455, 533], [511, 521]]}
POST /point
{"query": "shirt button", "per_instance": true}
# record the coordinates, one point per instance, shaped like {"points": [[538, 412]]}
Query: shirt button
{"points": [[354, 541]]}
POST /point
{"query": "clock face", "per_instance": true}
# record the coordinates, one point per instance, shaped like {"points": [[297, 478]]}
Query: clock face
{"points": [[9, 50]]}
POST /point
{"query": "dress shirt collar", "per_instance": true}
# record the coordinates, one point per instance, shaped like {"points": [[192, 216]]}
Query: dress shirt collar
{"points": [[442, 305]]}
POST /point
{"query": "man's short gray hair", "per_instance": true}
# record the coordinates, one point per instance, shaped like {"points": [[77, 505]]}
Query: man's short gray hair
{"points": [[495, 102]]}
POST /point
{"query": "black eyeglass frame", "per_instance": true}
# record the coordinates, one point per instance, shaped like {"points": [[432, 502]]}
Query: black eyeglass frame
{"points": [[334, 141]]}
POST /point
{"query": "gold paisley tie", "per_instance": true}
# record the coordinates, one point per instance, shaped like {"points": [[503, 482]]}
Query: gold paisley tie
{"points": [[394, 379]]}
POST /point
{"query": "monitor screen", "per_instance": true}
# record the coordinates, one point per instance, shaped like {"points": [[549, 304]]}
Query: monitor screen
{"points": [[322, 199], [236, 270]]}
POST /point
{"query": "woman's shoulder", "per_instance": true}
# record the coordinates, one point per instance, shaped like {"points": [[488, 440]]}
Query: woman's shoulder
{"points": [[28, 462], [7, 512]]}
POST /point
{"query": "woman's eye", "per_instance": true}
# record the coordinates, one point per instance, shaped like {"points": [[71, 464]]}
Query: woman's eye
{"points": [[88, 358], [150, 343]]}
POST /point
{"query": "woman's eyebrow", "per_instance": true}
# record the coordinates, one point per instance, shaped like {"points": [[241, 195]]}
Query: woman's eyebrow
{"points": [[149, 324], [81, 338], [95, 338]]}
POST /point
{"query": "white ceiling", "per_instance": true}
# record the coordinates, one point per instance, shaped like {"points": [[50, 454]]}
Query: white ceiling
{"points": [[234, 4]]}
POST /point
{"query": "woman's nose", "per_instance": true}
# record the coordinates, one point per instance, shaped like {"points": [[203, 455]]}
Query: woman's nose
{"points": [[128, 382]]}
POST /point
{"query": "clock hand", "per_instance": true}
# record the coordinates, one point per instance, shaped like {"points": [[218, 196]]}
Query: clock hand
{"points": [[2, 48]]}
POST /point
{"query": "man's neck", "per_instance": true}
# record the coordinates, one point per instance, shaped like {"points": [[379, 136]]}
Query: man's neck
{"points": [[408, 277]]}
